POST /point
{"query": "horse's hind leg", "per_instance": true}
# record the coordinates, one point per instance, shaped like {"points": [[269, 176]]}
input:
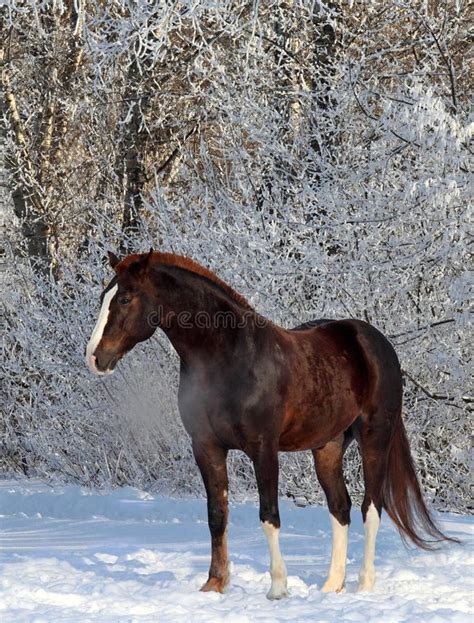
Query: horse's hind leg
{"points": [[373, 434], [328, 463]]}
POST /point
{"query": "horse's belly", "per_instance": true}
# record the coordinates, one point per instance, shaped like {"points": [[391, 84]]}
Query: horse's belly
{"points": [[307, 430]]}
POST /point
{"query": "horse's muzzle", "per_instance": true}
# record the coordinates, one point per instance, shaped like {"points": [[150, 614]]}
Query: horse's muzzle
{"points": [[103, 364]]}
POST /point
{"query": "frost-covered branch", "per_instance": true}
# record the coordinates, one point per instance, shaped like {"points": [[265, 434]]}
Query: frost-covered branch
{"points": [[309, 157]]}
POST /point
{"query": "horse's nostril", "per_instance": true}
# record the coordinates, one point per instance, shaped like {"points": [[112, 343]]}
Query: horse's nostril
{"points": [[104, 362], [98, 362]]}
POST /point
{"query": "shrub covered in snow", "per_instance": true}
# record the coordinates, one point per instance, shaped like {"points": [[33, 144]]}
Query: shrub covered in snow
{"points": [[322, 180]]}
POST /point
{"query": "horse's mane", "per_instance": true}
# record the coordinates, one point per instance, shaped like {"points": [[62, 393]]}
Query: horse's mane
{"points": [[180, 261]]}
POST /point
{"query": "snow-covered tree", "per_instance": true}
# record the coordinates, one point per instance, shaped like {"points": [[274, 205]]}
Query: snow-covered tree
{"points": [[315, 155]]}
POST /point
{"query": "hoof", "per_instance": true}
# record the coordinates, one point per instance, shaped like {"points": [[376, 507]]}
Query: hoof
{"points": [[333, 587], [366, 583], [215, 584], [277, 592]]}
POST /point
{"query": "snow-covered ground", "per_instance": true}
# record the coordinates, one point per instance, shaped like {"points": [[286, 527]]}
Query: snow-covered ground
{"points": [[69, 554]]}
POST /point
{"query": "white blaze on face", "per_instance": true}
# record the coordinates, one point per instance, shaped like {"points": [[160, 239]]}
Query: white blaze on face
{"points": [[99, 330]]}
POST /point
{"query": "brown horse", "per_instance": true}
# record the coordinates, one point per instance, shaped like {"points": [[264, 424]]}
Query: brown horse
{"points": [[248, 384]]}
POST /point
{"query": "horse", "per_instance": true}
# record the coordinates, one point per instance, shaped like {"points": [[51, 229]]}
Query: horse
{"points": [[247, 384]]}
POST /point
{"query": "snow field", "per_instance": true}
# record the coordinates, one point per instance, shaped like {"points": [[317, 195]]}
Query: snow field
{"points": [[69, 554]]}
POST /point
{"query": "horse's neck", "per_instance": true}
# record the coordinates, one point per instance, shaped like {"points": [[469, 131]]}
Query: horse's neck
{"points": [[196, 314]]}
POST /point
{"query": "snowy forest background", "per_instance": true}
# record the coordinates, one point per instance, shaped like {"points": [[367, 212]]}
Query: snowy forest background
{"points": [[314, 154]]}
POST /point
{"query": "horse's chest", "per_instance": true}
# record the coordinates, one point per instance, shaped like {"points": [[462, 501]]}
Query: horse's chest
{"points": [[232, 412]]}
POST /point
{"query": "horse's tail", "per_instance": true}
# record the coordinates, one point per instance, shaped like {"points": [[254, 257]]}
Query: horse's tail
{"points": [[402, 496]]}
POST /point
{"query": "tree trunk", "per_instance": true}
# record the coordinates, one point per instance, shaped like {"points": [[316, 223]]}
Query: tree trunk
{"points": [[134, 146], [27, 204]]}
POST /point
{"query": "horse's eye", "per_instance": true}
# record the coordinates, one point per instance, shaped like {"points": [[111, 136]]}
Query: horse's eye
{"points": [[124, 300]]}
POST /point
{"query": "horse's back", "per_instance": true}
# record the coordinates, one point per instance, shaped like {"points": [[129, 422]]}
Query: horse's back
{"points": [[312, 323], [370, 341]]}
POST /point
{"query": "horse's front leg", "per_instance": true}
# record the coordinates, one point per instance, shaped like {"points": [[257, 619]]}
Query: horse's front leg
{"points": [[266, 472], [211, 460]]}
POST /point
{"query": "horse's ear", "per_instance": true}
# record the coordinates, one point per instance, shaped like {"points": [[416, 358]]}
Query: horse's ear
{"points": [[139, 267], [147, 258], [113, 259]]}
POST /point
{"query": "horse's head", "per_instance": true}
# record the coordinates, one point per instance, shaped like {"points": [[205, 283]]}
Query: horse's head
{"points": [[124, 319]]}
